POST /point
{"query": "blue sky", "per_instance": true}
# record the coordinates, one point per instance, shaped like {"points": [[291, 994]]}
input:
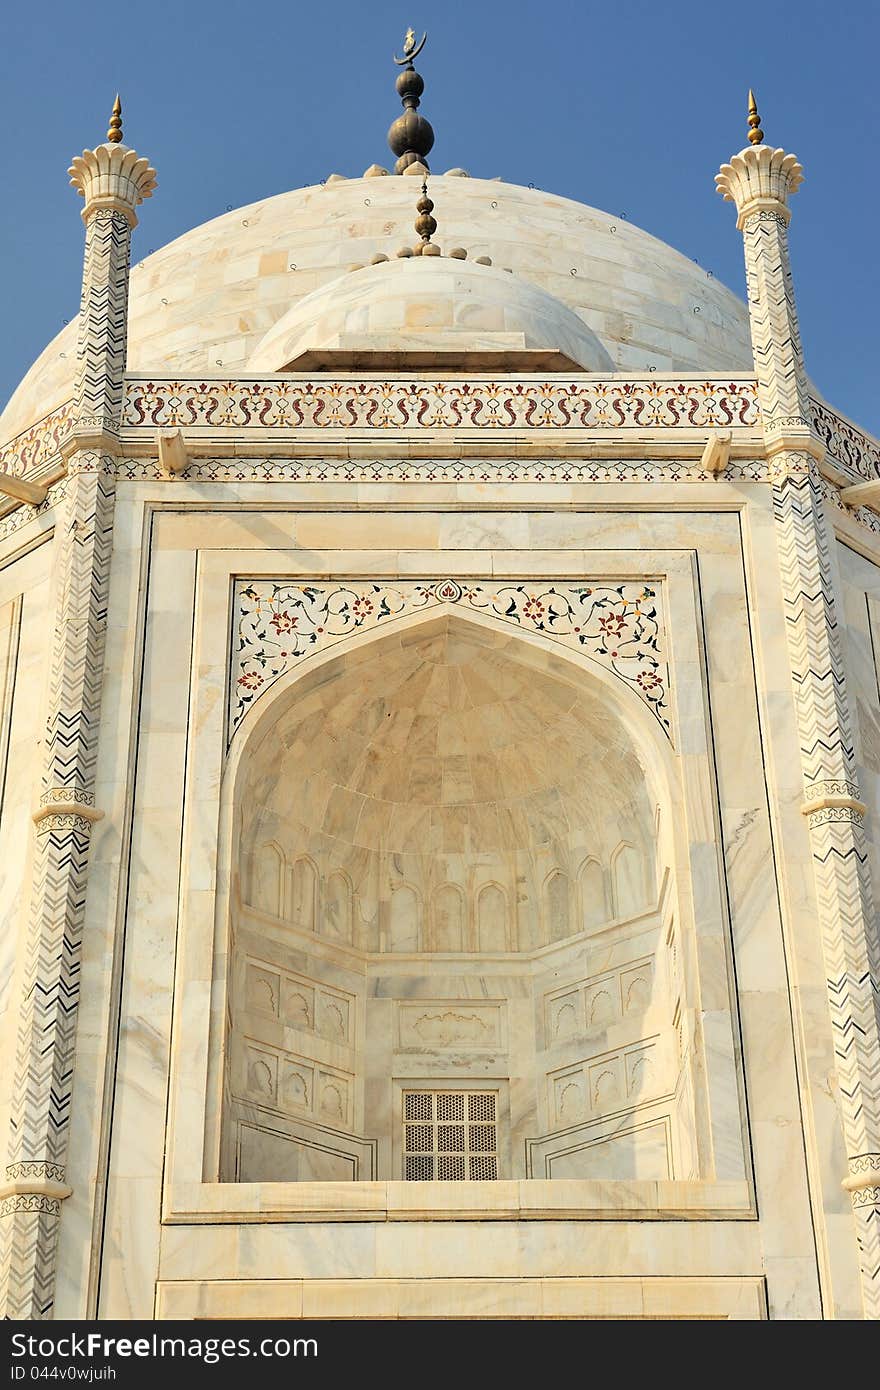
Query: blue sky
{"points": [[628, 106]]}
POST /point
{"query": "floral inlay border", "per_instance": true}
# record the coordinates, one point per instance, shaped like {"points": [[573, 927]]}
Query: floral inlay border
{"points": [[464, 403], [500, 469], [846, 443], [28, 451], [278, 624], [480, 405]]}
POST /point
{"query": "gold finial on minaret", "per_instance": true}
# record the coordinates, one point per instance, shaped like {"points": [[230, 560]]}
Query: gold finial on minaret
{"points": [[114, 134], [756, 134], [112, 176]]}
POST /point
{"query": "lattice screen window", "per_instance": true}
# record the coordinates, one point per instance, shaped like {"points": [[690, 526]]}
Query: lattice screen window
{"points": [[450, 1136]]}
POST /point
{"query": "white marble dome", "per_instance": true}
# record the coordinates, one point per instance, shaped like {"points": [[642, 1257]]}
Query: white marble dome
{"points": [[203, 304], [430, 311]]}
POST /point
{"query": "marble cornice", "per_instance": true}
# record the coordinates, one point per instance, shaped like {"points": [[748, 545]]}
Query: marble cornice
{"points": [[584, 445], [89, 437], [33, 1185], [863, 1179], [652, 420]]}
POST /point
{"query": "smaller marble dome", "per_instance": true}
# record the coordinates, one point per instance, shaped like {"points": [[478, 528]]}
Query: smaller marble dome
{"points": [[429, 312]]}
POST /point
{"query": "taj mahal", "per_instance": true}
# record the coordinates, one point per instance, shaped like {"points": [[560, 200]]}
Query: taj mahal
{"points": [[439, 766]]}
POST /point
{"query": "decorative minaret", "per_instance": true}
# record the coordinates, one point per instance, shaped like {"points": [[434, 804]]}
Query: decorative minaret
{"points": [[411, 137], [113, 180], [760, 181]]}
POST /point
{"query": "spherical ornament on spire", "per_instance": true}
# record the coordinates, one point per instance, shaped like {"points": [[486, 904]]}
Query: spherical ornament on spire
{"points": [[112, 176], [410, 137], [425, 224], [410, 86], [756, 134], [761, 178], [114, 134]]}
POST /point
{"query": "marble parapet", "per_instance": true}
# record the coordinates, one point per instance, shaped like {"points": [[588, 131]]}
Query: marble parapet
{"points": [[423, 417]]}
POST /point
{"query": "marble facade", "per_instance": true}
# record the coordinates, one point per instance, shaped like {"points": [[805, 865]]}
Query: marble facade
{"points": [[456, 931]]}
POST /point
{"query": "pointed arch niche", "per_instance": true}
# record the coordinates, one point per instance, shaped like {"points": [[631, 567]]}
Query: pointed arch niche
{"points": [[446, 876]]}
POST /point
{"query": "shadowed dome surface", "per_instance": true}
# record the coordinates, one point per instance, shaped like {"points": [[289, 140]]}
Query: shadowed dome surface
{"points": [[447, 759], [202, 304], [430, 311], [445, 741]]}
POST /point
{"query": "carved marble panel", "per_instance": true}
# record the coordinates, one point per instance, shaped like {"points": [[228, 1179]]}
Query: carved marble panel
{"points": [[613, 997], [286, 1082], [300, 1003], [611, 1081], [449, 1024]]}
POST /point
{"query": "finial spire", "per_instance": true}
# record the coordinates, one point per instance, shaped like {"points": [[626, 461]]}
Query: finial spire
{"points": [[756, 134], [410, 137], [425, 224], [114, 134]]}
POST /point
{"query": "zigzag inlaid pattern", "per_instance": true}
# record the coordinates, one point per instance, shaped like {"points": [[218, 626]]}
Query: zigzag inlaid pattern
{"points": [[776, 339], [850, 942], [101, 345], [27, 1262], [850, 946], [40, 1114], [39, 1122], [40, 1111]]}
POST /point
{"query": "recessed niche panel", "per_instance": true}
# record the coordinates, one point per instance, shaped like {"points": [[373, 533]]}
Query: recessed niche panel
{"points": [[449, 1024]]}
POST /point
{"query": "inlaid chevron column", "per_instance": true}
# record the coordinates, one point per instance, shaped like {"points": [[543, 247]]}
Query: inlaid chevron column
{"points": [[113, 180], [760, 180], [100, 352]]}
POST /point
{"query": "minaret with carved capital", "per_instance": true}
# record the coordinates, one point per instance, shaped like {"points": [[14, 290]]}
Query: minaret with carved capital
{"points": [[760, 181], [113, 180]]}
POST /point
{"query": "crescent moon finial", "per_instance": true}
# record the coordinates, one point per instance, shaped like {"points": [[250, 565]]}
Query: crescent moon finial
{"points": [[411, 49], [410, 137]]}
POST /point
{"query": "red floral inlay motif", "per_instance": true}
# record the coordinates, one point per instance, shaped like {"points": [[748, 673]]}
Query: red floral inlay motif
{"points": [[649, 681], [612, 623], [618, 624], [283, 622]]}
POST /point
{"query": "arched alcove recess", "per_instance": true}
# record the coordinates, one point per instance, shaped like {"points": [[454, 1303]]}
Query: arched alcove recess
{"points": [[594, 899], [492, 919], [303, 898], [629, 890], [450, 919], [451, 802], [268, 878]]}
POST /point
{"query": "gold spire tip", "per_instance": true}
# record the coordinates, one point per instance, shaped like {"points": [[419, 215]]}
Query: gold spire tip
{"points": [[114, 134], [756, 134], [411, 49]]}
